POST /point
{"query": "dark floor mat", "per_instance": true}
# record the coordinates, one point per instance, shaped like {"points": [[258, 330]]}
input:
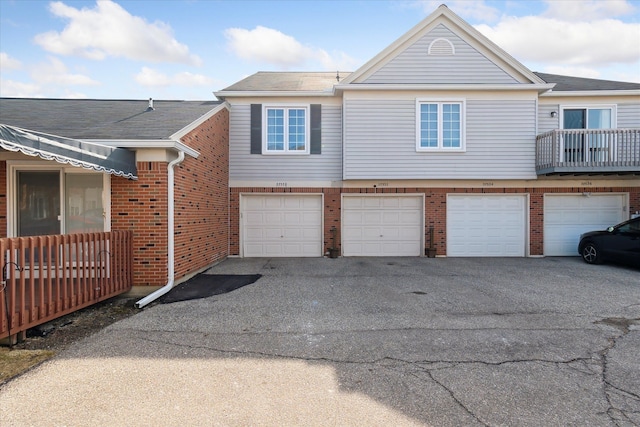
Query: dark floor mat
{"points": [[206, 285]]}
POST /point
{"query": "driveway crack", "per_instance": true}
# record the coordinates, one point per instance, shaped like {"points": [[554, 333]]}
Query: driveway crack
{"points": [[616, 414]]}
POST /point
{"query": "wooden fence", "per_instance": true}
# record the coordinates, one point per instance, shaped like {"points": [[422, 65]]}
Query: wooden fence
{"points": [[45, 277]]}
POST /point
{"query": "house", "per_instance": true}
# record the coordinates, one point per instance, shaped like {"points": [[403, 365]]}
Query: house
{"points": [[441, 143], [157, 169]]}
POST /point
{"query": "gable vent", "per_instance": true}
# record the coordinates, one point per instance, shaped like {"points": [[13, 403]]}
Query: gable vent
{"points": [[441, 47]]}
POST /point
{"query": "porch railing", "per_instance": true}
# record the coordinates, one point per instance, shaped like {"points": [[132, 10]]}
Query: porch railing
{"points": [[588, 150], [45, 277]]}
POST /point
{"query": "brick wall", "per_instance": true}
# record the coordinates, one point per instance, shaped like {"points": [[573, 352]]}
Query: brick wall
{"points": [[202, 198], [141, 206], [3, 198], [201, 218], [435, 209]]}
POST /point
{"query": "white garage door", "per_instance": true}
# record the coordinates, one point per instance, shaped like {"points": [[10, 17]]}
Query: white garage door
{"points": [[486, 225], [382, 225], [281, 225], [568, 216]]}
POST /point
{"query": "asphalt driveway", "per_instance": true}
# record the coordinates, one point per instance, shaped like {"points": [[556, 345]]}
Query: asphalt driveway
{"points": [[361, 341]]}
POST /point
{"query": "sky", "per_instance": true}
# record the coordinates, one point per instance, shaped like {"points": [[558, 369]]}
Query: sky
{"points": [[188, 49]]}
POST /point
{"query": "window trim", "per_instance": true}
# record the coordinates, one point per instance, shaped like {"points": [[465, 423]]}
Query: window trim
{"points": [[307, 130], [587, 107], [463, 133], [15, 166]]}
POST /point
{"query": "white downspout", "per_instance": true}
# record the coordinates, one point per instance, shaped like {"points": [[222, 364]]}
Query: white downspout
{"points": [[170, 235]]}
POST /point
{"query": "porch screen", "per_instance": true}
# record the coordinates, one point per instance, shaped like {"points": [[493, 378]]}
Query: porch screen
{"points": [[38, 209]]}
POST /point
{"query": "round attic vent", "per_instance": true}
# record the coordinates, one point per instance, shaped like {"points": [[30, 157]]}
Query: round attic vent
{"points": [[441, 47]]}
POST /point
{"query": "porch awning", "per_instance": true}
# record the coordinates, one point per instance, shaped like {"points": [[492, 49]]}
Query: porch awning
{"points": [[102, 158]]}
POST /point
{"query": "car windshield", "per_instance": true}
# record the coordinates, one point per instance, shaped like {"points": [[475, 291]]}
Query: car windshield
{"points": [[630, 227]]}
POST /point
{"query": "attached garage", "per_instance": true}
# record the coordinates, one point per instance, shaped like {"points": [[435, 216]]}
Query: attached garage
{"points": [[486, 225], [381, 225], [566, 216], [281, 225]]}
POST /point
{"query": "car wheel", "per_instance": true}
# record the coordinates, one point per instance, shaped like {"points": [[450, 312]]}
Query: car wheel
{"points": [[591, 254]]}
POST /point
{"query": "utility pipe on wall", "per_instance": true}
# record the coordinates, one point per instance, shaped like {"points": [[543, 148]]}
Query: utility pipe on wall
{"points": [[170, 237]]}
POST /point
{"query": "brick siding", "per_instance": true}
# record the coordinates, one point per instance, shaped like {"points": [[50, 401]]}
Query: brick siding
{"points": [[141, 206], [202, 198], [435, 210], [3, 198]]}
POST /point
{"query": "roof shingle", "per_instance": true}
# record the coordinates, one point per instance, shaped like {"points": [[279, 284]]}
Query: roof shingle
{"points": [[102, 119], [573, 84]]}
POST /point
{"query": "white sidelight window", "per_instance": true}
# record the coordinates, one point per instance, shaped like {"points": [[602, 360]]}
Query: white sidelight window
{"points": [[440, 125]]}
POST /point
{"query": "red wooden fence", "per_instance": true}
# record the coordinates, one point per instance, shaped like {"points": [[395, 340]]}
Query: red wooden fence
{"points": [[45, 277]]}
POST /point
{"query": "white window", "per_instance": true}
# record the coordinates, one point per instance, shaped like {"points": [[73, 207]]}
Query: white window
{"points": [[47, 200], [585, 146], [440, 125], [286, 130]]}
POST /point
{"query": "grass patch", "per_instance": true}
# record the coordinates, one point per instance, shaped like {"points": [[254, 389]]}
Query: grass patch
{"points": [[15, 362]]}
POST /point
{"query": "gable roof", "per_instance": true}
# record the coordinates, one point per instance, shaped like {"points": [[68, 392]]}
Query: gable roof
{"points": [[103, 119], [580, 84], [444, 16]]}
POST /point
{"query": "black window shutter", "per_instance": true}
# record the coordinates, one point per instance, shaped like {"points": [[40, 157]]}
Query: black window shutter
{"points": [[256, 128], [316, 129]]}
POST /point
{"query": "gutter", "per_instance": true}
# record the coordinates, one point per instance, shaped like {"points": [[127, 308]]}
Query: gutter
{"points": [[170, 235]]}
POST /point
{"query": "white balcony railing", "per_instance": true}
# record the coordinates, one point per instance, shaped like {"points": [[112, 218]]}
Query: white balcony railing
{"points": [[588, 151]]}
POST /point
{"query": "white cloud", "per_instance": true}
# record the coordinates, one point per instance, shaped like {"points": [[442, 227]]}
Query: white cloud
{"points": [[8, 63], [264, 44], [267, 45], [54, 72], [150, 77], [14, 89], [573, 71], [579, 43], [587, 10], [337, 61], [109, 30]]}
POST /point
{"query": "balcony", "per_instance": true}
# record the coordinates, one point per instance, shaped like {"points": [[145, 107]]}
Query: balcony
{"points": [[45, 277], [588, 151]]}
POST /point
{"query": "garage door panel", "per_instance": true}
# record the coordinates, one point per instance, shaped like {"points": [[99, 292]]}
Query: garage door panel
{"points": [[382, 225], [373, 218], [272, 203], [567, 216], [370, 233], [282, 225], [486, 225], [390, 218], [390, 203]]}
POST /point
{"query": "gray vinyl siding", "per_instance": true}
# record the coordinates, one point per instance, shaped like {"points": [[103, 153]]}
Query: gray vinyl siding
{"points": [[246, 166], [545, 121], [415, 66], [380, 142], [629, 115]]}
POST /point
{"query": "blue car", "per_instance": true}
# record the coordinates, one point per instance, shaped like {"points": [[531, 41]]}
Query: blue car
{"points": [[620, 243]]}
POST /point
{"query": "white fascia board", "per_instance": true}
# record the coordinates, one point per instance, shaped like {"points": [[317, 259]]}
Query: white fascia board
{"points": [[148, 143], [440, 87], [274, 93], [583, 93], [191, 126]]}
